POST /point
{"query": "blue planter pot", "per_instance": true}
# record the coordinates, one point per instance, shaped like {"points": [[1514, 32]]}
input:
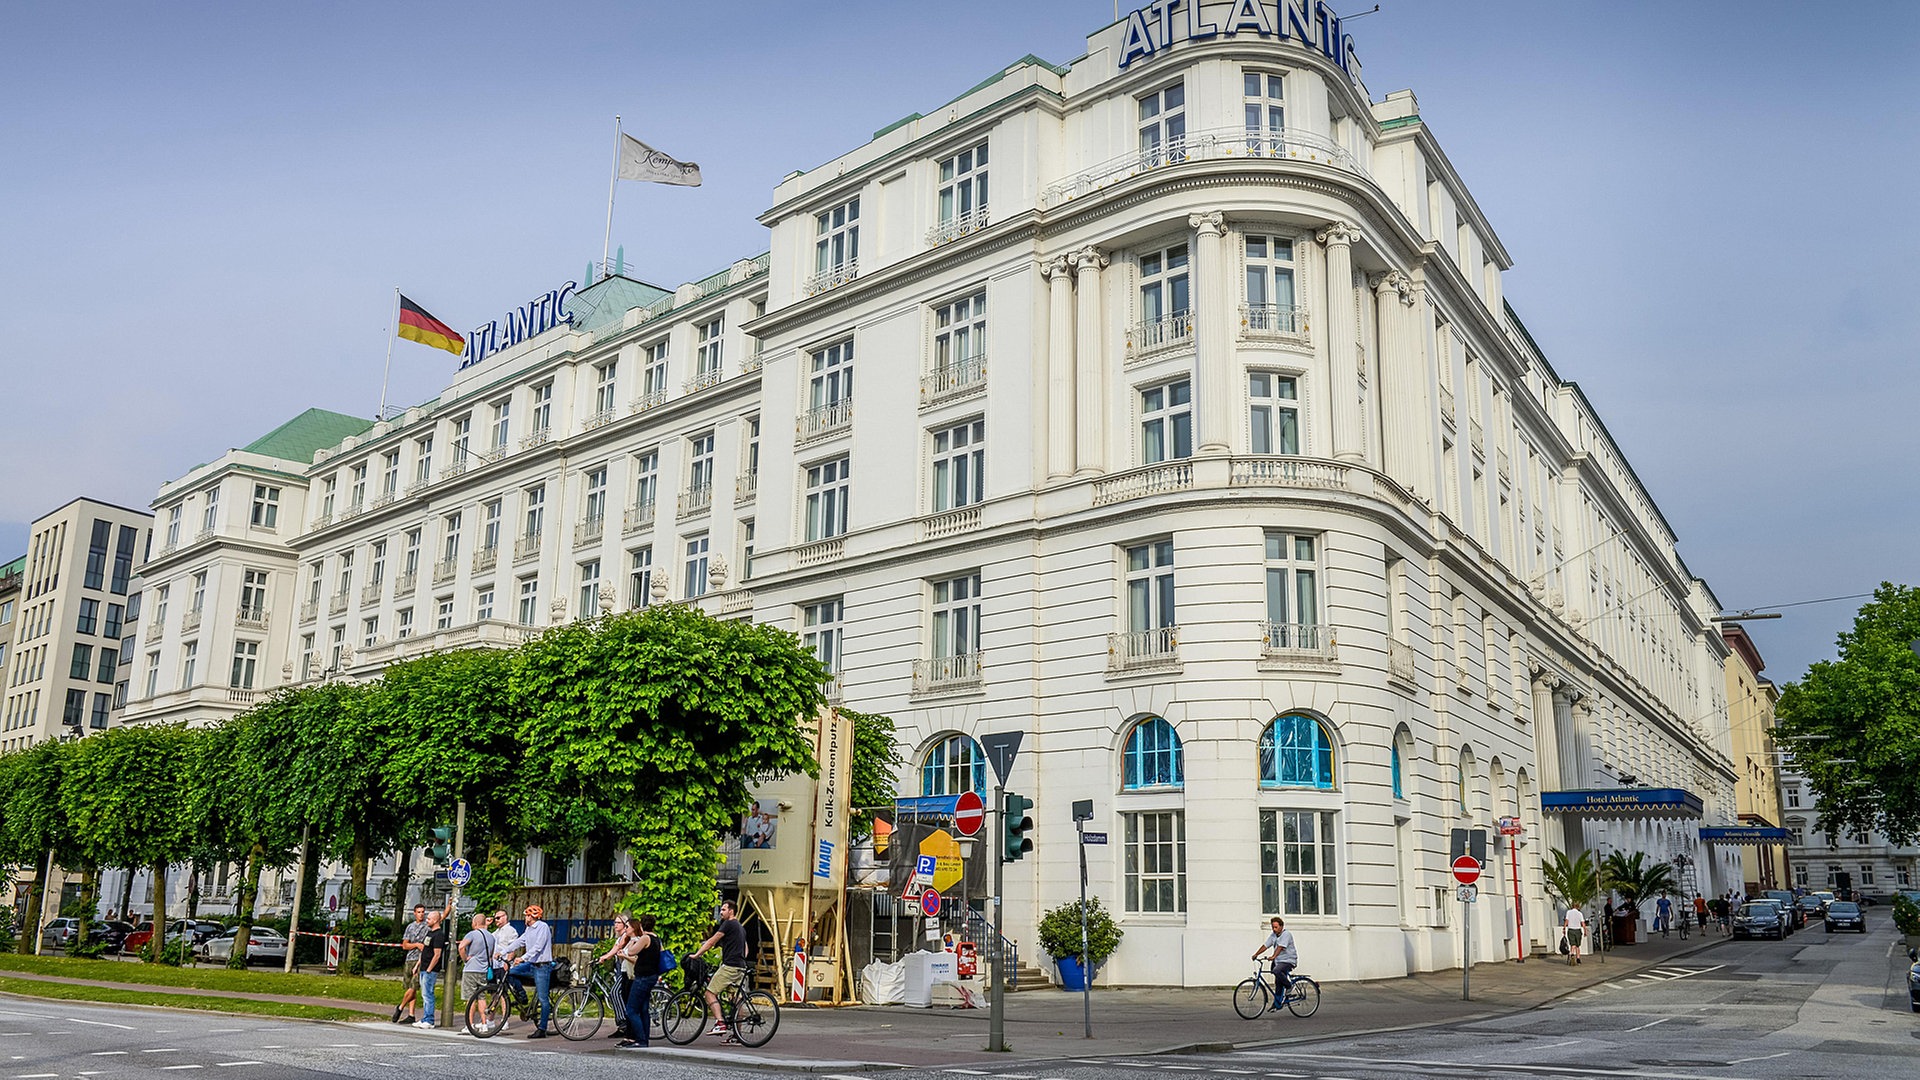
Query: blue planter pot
{"points": [[1072, 976]]}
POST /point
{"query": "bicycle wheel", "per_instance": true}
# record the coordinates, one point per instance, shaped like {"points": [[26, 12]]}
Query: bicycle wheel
{"points": [[657, 1005], [495, 1004], [577, 1013], [684, 1017], [1250, 998], [756, 1016], [1303, 998]]}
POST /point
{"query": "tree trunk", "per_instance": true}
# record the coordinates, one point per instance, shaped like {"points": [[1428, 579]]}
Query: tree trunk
{"points": [[400, 888], [29, 941], [159, 939], [249, 896], [89, 900], [193, 889], [356, 899], [126, 894]]}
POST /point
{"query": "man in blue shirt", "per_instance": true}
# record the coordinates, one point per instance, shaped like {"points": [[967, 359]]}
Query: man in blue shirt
{"points": [[536, 949]]}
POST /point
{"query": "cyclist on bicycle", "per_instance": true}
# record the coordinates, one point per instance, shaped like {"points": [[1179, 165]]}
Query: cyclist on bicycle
{"points": [[732, 972], [1285, 958]]}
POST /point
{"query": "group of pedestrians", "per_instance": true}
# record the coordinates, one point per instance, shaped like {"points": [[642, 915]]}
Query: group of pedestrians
{"points": [[488, 950], [636, 956]]}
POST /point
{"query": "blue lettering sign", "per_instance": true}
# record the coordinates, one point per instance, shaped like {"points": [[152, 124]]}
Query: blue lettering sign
{"points": [[1313, 23], [523, 323], [823, 862]]}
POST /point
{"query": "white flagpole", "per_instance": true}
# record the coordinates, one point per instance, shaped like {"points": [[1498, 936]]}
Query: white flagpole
{"points": [[612, 183], [393, 331]]}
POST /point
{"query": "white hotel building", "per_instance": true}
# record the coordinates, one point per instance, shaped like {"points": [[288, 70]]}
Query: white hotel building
{"points": [[1199, 445]]}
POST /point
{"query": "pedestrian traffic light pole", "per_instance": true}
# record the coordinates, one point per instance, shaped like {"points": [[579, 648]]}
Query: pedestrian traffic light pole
{"points": [[447, 924], [997, 992]]}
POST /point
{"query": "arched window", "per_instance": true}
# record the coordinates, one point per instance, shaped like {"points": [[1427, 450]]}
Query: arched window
{"points": [[1296, 752], [1402, 752], [1153, 757], [1462, 792], [953, 765], [1399, 789]]}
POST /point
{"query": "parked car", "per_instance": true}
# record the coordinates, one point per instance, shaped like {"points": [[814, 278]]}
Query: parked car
{"points": [[1826, 896], [262, 945], [1786, 900], [60, 932], [1812, 907], [1913, 979], [1845, 915], [1760, 918]]}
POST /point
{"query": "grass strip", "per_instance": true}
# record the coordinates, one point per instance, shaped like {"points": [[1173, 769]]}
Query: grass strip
{"points": [[114, 996], [337, 987]]}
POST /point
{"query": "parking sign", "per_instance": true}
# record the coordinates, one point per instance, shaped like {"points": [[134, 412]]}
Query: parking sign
{"points": [[923, 869]]}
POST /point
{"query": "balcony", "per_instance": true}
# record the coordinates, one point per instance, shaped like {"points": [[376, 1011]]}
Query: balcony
{"points": [[385, 498], [240, 695], [309, 611], [1289, 472], [829, 419], [1295, 645], [1270, 321], [154, 630], [370, 593], [589, 530], [1446, 402], [702, 381], [834, 689], [404, 584], [354, 509], [754, 362], [526, 547], [337, 603], [458, 468], [597, 420], [1157, 334], [190, 621], [486, 558], [960, 379], [1477, 435], [953, 522], [419, 485], [497, 452], [945, 674], [250, 618], [1216, 144], [539, 436], [953, 229], [819, 552], [746, 488], [832, 278], [1139, 483], [1400, 662], [652, 399], [321, 521], [638, 517], [203, 536], [444, 570], [697, 499], [1143, 650]]}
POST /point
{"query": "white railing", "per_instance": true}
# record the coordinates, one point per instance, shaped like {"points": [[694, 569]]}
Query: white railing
{"points": [[1212, 145], [1446, 401], [1289, 472], [746, 487], [702, 380], [190, 621], [1505, 465], [453, 470], [1152, 480], [251, 618], [754, 361], [419, 486], [404, 584], [526, 547], [1476, 433], [370, 593], [598, 420], [486, 558], [970, 222], [638, 517], [1400, 661], [444, 570], [1309, 640], [822, 551], [1272, 320], [1143, 650], [203, 536], [652, 399], [1162, 332], [965, 519], [337, 603], [536, 437], [385, 498], [696, 500], [496, 453], [957, 379], [834, 689], [320, 521], [309, 611], [589, 530], [241, 696], [946, 673], [353, 510], [825, 420], [832, 277], [154, 630]]}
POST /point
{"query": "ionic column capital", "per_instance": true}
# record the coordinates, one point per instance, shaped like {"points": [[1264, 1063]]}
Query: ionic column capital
{"points": [[1338, 233], [1058, 266], [1211, 223], [1089, 258], [1394, 283]]}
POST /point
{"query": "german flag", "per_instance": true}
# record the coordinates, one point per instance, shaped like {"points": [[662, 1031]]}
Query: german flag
{"points": [[417, 325]]}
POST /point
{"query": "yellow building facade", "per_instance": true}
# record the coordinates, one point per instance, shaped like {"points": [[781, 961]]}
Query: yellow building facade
{"points": [[1750, 701]]}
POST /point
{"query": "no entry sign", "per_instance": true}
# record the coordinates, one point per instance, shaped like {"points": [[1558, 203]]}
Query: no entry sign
{"points": [[968, 813], [1466, 870]]}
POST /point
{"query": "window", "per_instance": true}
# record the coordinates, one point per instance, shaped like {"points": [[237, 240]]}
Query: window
{"points": [[746, 548], [346, 574], [153, 673], [960, 337], [328, 488], [173, 528], [1163, 126], [1296, 752], [959, 465], [536, 512], [604, 377], [700, 465], [211, 516], [120, 694], [827, 491], [589, 590], [696, 575], [596, 501], [96, 575], [490, 513], [1793, 797], [1796, 834], [370, 631], [116, 620], [76, 709], [123, 559], [1298, 873], [1165, 297], [640, 577], [199, 599], [306, 657], [837, 238], [820, 631], [1152, 757], [109, 660], [253, 594], [90, 615], [315, 572], [1266, 110], [963, 185], [102, 705], [706, 357], [653, 377], [412, 557], [502, 418], [246, 654], [357, 494], [1866, 874], [953, 765], [423, 459], [1156, 861], [189, 657], [82, 665], [403, 624], [956, 616], [1293, 605], [832, 379], [542, 407], [390, 473], [1150, 586], [462, 440], [443, 613], [483, 603], [450, 538], [1833, 874], [1800, 875], [1399, 783], [1274, 413], [646, 480], [266, 507], [1166, 422], [750, 437], [337, 649]]}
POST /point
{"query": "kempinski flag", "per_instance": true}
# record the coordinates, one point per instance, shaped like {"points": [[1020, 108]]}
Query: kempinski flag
{"points": [[638, 161], [417, 325]]}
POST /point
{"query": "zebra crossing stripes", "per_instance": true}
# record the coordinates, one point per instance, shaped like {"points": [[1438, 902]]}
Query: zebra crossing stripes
{"points": [[1665, 973]]}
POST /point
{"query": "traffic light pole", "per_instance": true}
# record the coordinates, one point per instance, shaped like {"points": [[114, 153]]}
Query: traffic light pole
{"points": [[997, 990]]}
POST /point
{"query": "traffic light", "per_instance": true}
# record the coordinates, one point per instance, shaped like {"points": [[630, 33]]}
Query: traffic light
{"points": [[440, 847], [1014, 826]]}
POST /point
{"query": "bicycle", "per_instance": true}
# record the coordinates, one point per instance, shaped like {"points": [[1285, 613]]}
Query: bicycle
{"points": [[600, 1000], [506, 996], [1254, 997], [752, 1015]]}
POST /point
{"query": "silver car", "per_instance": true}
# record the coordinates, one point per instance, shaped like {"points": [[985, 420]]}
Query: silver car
{"points": [[262, 946]]}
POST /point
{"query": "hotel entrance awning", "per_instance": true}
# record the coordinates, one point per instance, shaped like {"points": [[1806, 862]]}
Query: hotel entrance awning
{"points": [[1745, 835], [1622, 803]]}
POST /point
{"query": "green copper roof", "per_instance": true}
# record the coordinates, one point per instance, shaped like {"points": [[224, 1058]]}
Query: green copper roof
{"points": [[298, 438], [1399, 122], [17, 566]]}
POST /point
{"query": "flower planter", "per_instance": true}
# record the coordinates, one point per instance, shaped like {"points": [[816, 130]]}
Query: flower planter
{"points": [[1072, 976]]}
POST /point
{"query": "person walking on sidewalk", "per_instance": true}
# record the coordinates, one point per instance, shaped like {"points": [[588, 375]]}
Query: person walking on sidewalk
{"points": [[1700, 912], [433, 957], [1663, 914], [1574, 923]]}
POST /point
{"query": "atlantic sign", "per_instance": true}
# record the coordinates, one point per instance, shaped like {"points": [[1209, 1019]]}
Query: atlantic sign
{"points": [[1162, 23], [529, 320]]}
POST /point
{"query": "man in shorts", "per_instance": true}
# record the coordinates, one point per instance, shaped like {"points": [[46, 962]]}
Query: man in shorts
{"points": [[412, 940], [732, 939], [476, 957], [1575, 925]]}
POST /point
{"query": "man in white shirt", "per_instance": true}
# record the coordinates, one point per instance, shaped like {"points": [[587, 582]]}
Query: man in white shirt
{"points": [[1285, 957], [504, 937], [1575, 924], [536, 947]]}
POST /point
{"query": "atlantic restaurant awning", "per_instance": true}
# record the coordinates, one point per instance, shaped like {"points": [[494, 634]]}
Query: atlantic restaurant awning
{"points": [[1623, 802], [1745, 835]]}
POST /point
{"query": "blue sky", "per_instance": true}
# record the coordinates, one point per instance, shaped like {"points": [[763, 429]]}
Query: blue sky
{"points": [[204, 209]]}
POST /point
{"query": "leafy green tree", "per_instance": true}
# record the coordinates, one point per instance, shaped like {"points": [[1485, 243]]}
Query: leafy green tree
{"points": [[32, 827], [126, 793], [235, 807], [1570, 879], [662, 720], [1634, 879], [1853, 723], [876, 763]]}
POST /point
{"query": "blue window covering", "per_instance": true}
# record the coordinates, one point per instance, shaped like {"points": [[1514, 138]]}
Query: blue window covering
{"points": [[1399, 792], [1296, 752], [1153, 757]]}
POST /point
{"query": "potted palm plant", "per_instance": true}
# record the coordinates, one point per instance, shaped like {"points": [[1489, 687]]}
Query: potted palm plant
{"points": [[1060, 937], [1570, 880], [1633, 879]]}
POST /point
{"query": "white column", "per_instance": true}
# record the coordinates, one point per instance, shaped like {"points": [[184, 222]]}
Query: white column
{"points": [[1342, 351], [1213, 335], [1090, 364], [1405, 433], [1060, 389]]}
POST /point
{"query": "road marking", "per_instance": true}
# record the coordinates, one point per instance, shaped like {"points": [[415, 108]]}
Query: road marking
{"points": [[33, 1076], [96, 1023], [472, 1053], [107, 1053], [429, 1055], [273, 1046], [162, 1050], [1533, 1069], [231, 1064], [1763, 1057], [176, 1068], [347, 1046], [1649, 1024]]}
